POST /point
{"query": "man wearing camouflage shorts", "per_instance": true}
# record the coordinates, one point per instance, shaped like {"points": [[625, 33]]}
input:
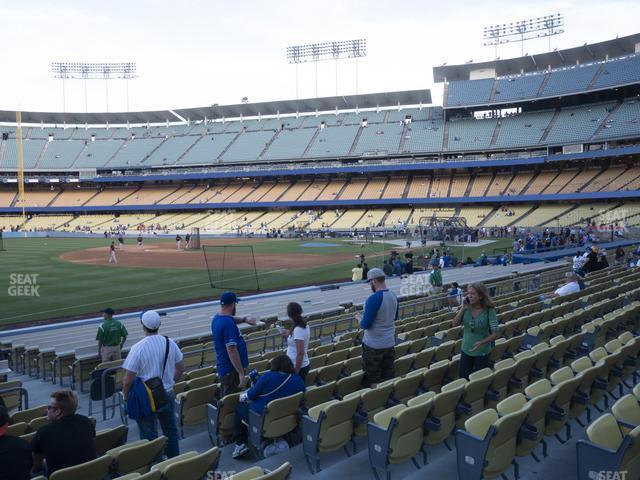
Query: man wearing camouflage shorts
{"points": [[378, 322]]}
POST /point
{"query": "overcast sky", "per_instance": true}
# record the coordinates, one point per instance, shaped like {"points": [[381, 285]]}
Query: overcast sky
{"points": [[199, 52]]}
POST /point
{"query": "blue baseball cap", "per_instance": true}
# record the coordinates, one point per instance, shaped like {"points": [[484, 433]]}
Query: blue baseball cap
{"points": [[227, 298]]}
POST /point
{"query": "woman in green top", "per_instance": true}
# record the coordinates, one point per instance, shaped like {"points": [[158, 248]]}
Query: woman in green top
{"points": [[478, 317]]}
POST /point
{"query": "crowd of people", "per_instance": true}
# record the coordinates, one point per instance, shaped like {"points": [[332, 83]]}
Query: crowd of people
{"points": [[155, 363]]}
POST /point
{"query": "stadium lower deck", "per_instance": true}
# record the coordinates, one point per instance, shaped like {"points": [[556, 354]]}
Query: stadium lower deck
{"points": [[574, 328]]}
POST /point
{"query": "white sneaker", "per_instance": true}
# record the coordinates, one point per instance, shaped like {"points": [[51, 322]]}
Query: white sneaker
{"points": [[240, 450]]}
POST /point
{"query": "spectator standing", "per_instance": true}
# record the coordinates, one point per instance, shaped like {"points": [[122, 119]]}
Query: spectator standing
{"points": [[365, 271], [356, 273], [111, 336], [578, 264], [69, 438], [378, 322], [387, 268], [435, 278], [279, 382], [231, 350], [478, 317], [15, 452], [298, 340], [155, 356], [408, 267]]}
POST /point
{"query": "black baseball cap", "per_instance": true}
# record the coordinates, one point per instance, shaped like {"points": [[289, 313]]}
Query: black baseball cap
{"points": [[108, 311]]}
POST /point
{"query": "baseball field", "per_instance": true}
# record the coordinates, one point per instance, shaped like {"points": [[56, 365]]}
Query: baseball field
{"points": [[45, 279]]}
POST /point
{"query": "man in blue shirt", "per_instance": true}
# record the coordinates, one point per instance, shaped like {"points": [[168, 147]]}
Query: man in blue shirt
{"points": [[378, 322], [231, 350]]}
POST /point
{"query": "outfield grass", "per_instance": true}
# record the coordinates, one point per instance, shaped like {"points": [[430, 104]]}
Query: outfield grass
{"points": [[70, 289]]}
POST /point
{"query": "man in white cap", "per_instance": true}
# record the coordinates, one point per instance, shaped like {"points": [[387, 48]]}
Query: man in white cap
{"points": [[155, 356], [379, 324]]}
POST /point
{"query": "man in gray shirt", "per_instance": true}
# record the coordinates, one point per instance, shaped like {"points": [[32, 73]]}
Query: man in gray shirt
{"points": [[378, 322]]}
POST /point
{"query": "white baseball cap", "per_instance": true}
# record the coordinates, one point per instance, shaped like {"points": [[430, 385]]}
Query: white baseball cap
{"points": [[151, 319]]}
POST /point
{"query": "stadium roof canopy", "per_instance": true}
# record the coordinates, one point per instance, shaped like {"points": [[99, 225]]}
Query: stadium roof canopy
{"points": [[530, 63], [282, 107], [324, 104]]}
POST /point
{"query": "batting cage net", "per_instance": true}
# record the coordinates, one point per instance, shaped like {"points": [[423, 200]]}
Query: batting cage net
{"points": [[194, 240], [444, 229], [231, 267]]}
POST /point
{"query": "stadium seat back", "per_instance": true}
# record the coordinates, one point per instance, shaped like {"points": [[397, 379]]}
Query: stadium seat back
{"points": [[193, 468], [280, 416], [98, 468]]}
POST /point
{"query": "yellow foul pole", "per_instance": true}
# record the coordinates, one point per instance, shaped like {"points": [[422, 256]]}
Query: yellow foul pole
{"points": [[21, 200]]}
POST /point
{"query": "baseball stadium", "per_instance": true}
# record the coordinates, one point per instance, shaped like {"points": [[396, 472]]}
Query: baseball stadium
{"points": [[510, 168]]}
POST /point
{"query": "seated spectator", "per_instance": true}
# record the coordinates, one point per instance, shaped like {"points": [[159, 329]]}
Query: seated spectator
{"points": [[15, 452], [571, 285], [68, 440], [281, 381], [454, 295]]}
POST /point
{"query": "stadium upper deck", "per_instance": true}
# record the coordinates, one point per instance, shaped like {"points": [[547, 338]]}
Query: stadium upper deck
{"points": [[372, 127]]}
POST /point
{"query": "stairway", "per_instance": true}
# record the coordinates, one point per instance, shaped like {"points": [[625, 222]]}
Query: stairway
{"points": [[229, 146], [355, 140], [41, 154], [552, 122], [494, 89], [467, 192], [188, 149], [403, 138], [266, 147], [445, 95], [595, 77], [445, 137], [606, 119], [311, 142], [519, 219], [543, 85], [496, 132]]}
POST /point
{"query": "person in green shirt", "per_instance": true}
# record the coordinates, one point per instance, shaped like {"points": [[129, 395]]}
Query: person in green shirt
{"points": [[111, 336], [478, 317]]}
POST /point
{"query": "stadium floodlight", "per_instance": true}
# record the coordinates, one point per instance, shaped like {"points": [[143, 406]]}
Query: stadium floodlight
{"points": [[94, 71], [317, 52], [520, 31]]}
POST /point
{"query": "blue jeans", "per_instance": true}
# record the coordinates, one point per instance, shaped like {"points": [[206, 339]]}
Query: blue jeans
{"points": [[148, 426], [240, 429]]}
